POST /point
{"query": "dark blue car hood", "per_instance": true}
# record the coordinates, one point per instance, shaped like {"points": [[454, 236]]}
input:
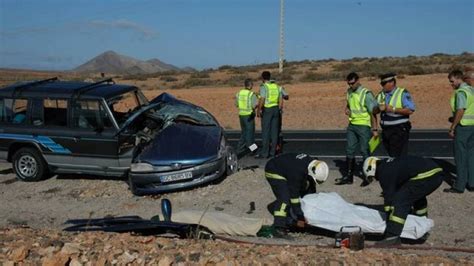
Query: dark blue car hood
{"points": [[183, 143]]}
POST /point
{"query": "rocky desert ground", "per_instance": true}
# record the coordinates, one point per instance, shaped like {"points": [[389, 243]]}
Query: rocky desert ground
{"points": [[32, 217]]}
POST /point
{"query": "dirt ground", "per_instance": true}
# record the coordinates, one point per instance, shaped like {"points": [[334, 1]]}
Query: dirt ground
{"points": [[32, 216], [320, 105]]}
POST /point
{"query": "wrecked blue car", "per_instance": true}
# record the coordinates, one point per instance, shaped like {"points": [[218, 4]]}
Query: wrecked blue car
{"points": [[180, 146]]}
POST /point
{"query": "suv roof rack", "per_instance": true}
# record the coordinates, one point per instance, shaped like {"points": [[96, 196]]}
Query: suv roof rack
{"points": [[91, 86], [22, 87]]}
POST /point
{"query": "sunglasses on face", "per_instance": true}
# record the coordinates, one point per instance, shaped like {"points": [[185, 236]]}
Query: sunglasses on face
{"points": [[351, 83], [383, 83]]}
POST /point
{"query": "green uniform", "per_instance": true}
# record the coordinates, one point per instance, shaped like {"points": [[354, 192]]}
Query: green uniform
{"points": [[463, 98], [270, 117], [361, 103], [246, 101]]}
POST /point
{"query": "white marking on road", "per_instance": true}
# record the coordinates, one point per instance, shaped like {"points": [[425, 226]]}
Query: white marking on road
{"points": [[341, 140], [358, 156]]}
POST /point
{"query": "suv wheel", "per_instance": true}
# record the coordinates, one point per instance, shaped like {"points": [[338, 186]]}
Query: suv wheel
{"points": [[231, 161], [29, 165]]}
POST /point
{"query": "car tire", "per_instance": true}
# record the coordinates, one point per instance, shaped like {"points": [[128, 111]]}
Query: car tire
{"points": [[132, 186], [231, 161], [29, 165]]}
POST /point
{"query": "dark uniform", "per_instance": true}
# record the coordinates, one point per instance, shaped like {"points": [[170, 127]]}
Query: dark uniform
{"points": [[288, 176], [406, 181]]}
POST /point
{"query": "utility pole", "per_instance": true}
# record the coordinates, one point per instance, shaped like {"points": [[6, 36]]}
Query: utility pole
{"points": [[282, 5]]}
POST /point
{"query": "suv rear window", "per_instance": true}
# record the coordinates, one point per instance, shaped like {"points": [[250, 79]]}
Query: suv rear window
{"points": [[13, 111]]}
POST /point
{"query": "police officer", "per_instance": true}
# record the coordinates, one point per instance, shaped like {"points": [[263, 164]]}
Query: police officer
{"points": [[405, 182], [362, 124], [246, 102], [462, 131], [291, 176], [395, 107], [269, 108]]}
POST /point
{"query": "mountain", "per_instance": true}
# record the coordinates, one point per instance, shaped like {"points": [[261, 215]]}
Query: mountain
{"points": [[112, 62], [161, 64]]}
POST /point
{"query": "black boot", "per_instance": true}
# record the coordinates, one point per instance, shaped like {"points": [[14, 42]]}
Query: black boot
{"points": [[349, 177]]}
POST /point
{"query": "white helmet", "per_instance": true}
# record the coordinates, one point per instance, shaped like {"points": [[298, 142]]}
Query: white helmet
{"points": [[370, 165], [318, 170]]}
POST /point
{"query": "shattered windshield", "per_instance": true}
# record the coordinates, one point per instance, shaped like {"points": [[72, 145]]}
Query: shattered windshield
{"points": [[124, 105], [184, 113]]}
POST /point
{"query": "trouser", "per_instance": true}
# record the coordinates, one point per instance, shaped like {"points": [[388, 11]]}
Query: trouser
{"points": [[412, 195], [283, 203], [358, 137], [464, 157], [270, 120], [395, 139], [247, 136], [279, 148]]}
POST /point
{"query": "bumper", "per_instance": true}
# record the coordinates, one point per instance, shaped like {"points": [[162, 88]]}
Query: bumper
{"points": [[151, 183]]}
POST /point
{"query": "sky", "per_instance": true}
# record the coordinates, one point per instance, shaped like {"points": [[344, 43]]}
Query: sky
{"points": [[63, 34]]}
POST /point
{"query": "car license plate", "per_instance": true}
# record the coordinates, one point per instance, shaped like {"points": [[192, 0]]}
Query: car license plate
{"points": [[176, 177]]}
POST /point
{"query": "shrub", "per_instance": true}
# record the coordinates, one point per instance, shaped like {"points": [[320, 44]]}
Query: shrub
{"points": [[236, 80], [168, 78], [193, 82], [225, 67], [200, 75], [285, 77]]}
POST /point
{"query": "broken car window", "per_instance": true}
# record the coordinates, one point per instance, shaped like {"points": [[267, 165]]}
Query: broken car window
{"points": [[124, 105]]}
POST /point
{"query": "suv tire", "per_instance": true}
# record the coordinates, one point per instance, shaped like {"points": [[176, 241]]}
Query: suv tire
{"points": [[28, 165]]}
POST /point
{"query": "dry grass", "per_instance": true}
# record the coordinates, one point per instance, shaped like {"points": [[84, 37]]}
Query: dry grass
{"points": [[320, 105], [317, 89]]}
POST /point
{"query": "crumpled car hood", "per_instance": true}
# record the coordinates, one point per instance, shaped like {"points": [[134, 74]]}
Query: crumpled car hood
{"points": [[182, 143]]}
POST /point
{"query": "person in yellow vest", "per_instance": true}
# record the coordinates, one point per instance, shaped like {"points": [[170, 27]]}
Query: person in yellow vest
{"points": [[462, 131], [362, 124], [269, 108], [246, 102], [395, 107]]}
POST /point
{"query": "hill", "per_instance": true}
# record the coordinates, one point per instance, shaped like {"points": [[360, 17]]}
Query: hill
{"points": [[112, 62]]}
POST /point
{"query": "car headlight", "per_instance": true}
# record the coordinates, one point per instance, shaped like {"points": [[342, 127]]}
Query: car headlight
{"points": [[222, 149], [141, 167]]}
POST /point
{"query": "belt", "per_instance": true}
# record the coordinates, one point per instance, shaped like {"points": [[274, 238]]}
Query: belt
{"points": [[394, 122]]}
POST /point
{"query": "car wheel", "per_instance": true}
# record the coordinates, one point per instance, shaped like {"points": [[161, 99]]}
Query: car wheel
{"points": [[28, 165], [132, 186], [231, 161]]}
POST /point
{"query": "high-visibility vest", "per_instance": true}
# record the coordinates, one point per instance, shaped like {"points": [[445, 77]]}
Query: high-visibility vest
{"points": [[245, 102], [356, 101], [468, 117], [390, 118], [273, 95]]}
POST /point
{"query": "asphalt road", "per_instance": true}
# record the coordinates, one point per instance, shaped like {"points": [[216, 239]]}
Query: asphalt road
{"points": [[330, 144]]}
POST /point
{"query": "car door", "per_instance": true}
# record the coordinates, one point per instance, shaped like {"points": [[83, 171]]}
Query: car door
{"points": [[92, 139]]}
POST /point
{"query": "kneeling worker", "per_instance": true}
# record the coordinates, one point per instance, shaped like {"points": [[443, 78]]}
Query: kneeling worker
{"points": [[291, 176], [405, 182]]}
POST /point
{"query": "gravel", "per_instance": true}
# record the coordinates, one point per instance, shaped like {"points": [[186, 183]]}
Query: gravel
{"points": [[43, 207]]}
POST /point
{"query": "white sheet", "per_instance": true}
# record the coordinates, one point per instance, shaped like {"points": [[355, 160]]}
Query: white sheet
{"points": [[331, 212]]}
